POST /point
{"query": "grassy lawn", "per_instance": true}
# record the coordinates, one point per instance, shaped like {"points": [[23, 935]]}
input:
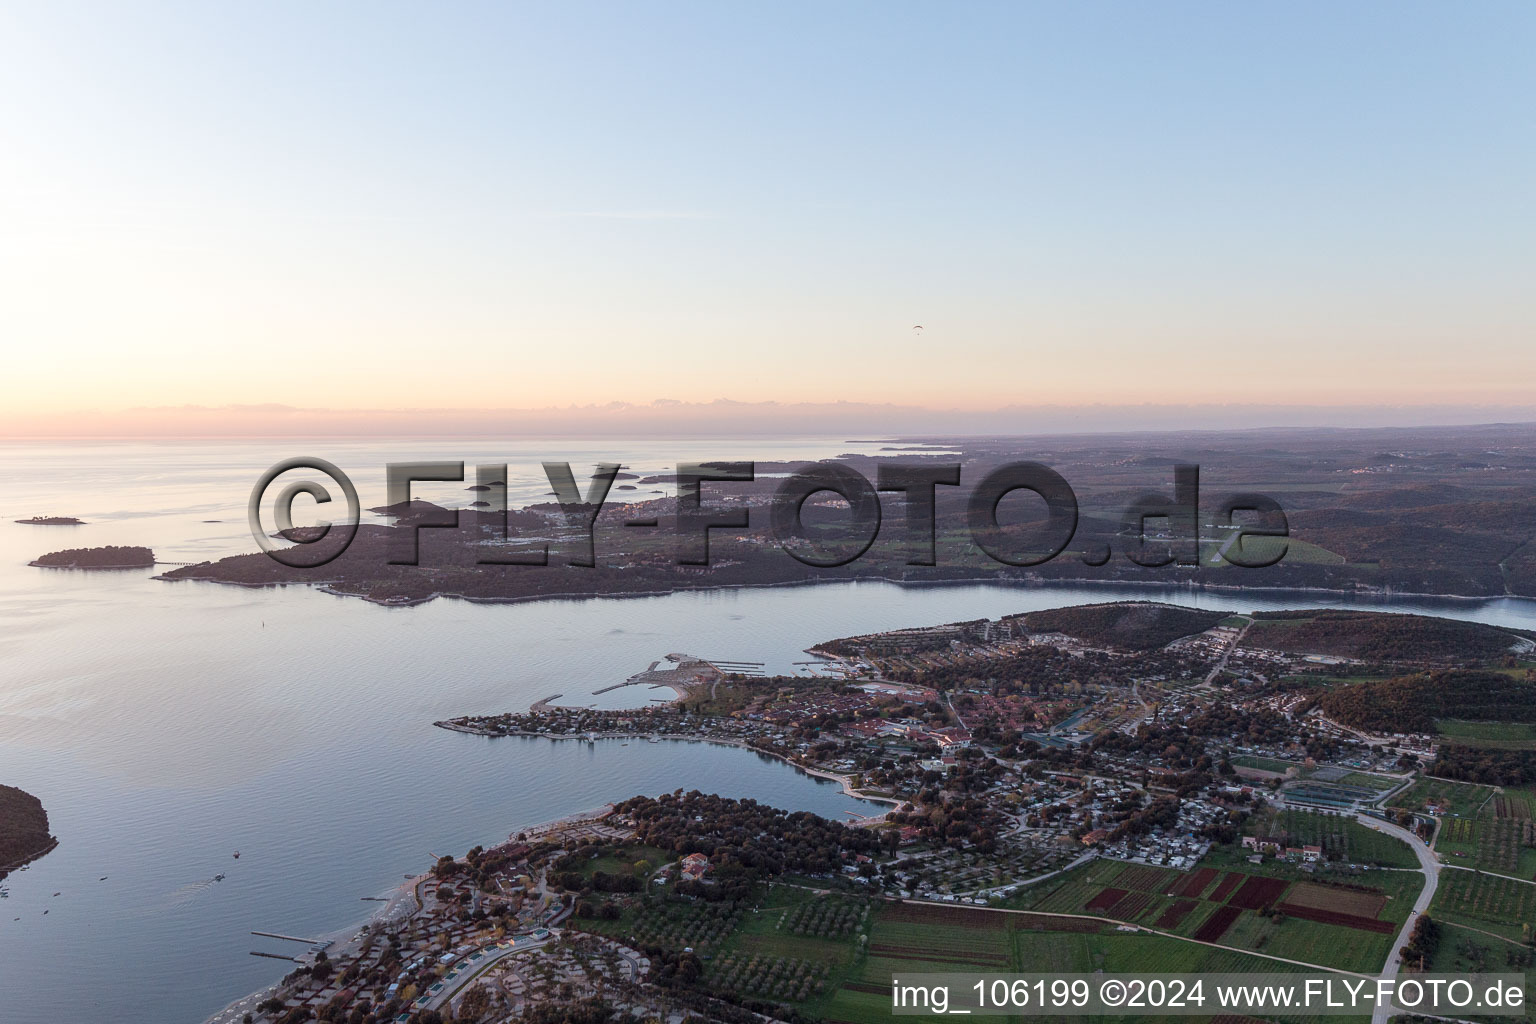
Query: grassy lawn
{"points": [[626, 860], [1369, 781]]}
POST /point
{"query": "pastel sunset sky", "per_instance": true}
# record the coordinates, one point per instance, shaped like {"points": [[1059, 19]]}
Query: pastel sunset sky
{"points": [[372, 208]]}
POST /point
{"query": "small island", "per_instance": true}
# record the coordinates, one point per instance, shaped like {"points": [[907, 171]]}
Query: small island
{"points": [[110, 557], [23, 829], [52, 521]]}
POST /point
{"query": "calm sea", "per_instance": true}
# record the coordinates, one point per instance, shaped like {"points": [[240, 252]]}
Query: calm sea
{"points": [[166, 726]]}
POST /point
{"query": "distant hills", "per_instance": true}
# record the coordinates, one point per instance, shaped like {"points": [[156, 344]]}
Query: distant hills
{"points": [[1132, 625], [1380, 636], [1412, 703]]}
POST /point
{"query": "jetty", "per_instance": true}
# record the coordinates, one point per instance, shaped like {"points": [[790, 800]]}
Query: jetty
{"points": [[289, 938]]}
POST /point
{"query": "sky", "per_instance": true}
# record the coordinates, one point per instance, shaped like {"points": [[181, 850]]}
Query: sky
{"points": [[362, 210]]}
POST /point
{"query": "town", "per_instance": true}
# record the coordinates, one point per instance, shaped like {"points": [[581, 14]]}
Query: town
{"points": [[1199, 782]]}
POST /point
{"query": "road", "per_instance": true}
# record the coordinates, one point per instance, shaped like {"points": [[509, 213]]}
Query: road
{"points": [[1430, 865], [1221, 662], [1149, 931], [489, 955], [1082, 858]]}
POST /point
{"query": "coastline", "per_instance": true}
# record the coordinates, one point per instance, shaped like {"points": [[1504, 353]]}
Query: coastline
{"points": [[403, 895], [43, 851], [25, 835], [846, 781], [1385, 596], [90, 568]]}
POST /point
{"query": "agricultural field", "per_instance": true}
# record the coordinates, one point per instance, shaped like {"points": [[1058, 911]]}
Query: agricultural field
{"points": [[1463, 950], [830, 918], [911, 938], [1342, 838], [675, 924], [957, 939], [786, 979], [1504, 906], [1488, 735], [1463, 799], [1344, 921], [1501, 839], [1519, 804]]}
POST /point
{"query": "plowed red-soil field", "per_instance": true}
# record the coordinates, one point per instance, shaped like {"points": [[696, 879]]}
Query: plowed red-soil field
{"points": [[1364, 924], [1230, 881], [1217, 924], [1044, 923], [928, 913], [1105, 899], [1258, 892], [1194, 884], [1173, 915], [950, 956], [1130, 908]]}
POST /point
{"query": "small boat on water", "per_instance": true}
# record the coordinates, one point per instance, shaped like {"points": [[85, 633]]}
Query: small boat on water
{"points": [[218, 878], [237, 855]]}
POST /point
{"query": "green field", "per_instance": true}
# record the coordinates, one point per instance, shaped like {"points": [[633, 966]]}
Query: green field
{"points": [[1463, 950], [1460, 798], [1329, 945], [1489, 735], [1369, 781], [1342, 839], [1489, 843], [1493, 903], [994, 942], [627, 860], [1265, 764]]}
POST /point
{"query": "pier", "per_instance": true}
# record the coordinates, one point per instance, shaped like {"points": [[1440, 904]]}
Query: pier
{"points": [[288, 938]]}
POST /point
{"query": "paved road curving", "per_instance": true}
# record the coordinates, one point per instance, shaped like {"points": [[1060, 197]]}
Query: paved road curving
{"points": [[1430, 865]]}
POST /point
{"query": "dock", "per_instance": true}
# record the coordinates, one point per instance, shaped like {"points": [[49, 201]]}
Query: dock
{"points": [[288, 938], [738, 668]]}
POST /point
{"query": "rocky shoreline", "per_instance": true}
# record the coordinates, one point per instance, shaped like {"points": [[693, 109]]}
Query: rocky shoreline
{"points": [[24, 835]]}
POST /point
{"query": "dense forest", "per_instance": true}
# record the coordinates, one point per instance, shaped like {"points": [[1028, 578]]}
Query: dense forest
{"points": [[1494, 767], [110, 557], [744, 838], [1134, 625], [23, 828], [1412, 703], [1380, 636], [1044, 670]]}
